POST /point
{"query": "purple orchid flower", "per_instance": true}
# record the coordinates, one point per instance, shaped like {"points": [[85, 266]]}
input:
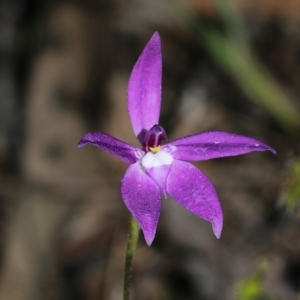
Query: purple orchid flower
{"points": [[157, 169]]}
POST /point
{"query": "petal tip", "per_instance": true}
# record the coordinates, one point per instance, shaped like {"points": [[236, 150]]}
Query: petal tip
{"points": [[82, 143], [272, 150], [217, 227], [149, 233], [86, 139], [264, 147], [149, 240], [268, 148], [155, 37]]}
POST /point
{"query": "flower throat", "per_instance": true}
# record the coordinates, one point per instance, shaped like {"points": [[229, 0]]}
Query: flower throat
{"points": [[153, 138]]}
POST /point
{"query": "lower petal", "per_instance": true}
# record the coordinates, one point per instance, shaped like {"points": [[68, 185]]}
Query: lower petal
{"points": [[159, 175], [141, 195], [193, 190], [157, 166]]}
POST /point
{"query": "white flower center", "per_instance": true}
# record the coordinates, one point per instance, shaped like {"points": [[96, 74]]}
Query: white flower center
{"points": [[160, 158]]}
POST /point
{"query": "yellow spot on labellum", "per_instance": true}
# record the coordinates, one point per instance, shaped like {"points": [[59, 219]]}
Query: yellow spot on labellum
{"points": [[155, 149]]}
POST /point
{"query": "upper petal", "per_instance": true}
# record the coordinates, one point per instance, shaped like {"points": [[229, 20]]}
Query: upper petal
{"points": [[193, 190], [212, 144], [112, 145], [141, 195], [144, 88]]}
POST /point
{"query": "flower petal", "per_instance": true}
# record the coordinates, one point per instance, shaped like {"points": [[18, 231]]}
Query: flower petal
{"points": [[112, 145], [157, 166], [159, 176], [142, 197], [213, 144], [193, 190], [144, 88]]}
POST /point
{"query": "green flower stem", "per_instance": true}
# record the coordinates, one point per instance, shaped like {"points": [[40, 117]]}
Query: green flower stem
{"points": [[131, 246]]}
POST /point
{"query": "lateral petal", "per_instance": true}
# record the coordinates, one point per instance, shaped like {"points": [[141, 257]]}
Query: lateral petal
{"points": [[112, 145], [141, 195], [144, 88], [213, 144], [193, 190]]}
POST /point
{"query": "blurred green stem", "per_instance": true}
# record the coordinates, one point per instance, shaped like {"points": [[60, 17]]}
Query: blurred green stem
{"points": [[131, 246], [232, 53]]}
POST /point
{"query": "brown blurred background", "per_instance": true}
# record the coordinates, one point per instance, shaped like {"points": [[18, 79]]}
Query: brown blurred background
{"points": [[227, 65]]}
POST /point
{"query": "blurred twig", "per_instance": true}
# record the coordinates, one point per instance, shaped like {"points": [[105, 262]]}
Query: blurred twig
{"points": [[255, 81], [290, 194], [232, 53]]}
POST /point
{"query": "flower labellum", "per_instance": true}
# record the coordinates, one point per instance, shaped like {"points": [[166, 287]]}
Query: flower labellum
{"points": [[157, 169]]}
